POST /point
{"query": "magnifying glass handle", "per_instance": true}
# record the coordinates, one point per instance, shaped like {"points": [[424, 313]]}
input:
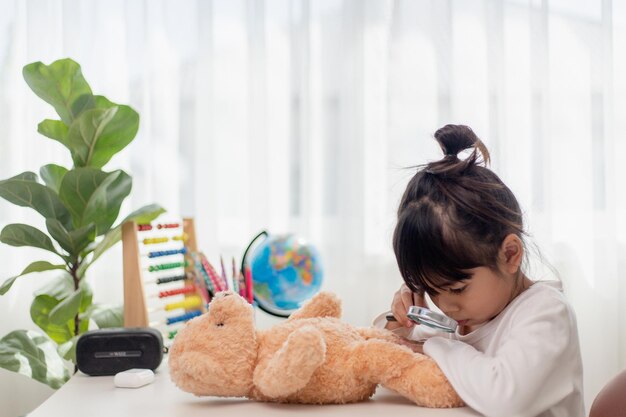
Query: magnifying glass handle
{"points": [[391, 317]]}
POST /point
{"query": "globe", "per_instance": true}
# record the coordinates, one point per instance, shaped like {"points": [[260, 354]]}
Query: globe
{"points": [[286, 271]]}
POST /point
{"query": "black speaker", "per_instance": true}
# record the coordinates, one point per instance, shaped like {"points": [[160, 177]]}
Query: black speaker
{"points": [[109, 351]]}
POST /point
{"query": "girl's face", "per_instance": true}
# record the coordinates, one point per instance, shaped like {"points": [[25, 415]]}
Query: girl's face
{"points": [[478, 299]]}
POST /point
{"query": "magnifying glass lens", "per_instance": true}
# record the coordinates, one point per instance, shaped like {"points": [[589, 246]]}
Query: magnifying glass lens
{"points": [[432, 319]]}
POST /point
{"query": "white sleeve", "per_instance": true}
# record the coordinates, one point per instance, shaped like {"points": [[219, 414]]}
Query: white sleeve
{"points": [[531, 370]]}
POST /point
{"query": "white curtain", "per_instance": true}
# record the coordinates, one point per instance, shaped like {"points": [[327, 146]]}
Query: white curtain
{"points": [[301, 116]]}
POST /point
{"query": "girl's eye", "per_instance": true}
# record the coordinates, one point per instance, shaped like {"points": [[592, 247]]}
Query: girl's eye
{"points": [[457, 290]]}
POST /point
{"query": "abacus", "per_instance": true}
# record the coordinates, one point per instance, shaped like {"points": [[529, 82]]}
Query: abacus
{"points": [[163, 252], [167, 254]]}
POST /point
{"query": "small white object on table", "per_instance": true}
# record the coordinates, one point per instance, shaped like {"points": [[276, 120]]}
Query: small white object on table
{"points": [[98, 397]]}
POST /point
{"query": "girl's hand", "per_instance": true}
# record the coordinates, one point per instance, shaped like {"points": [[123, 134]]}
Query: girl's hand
{"points": [[402, 300]]}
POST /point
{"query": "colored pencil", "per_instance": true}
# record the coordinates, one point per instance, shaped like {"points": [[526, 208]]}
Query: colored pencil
{"points": [[235, 277], [249, 289], [224, 277]]}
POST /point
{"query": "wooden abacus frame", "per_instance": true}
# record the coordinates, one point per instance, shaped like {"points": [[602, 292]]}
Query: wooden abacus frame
{"points": [[135, 307]]}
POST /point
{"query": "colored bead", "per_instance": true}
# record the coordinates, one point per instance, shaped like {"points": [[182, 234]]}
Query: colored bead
{"points": [[174, 278], [183, 317], [172, 265], [159, 253], [187, 303], [184, 290], [150, 241]]}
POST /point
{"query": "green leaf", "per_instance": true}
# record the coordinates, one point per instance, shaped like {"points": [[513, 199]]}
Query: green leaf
{"points": [[25, 191], [27, 176], [54, 129], [60, 234], [59, 287], [52, 175], [62, 85], [98, 134], [32, 355], [19, 234], [37, 266], [67, 309], [40, 310], [111, 238], [94, 196], [101, 102], [7, 284], [145, 214], [87, 296], [76, 240], [105, 316], [67, 350], [116, 192], [83, 326]]}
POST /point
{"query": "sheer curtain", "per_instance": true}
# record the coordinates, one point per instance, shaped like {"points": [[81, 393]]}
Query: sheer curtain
{"points": [[301, 116]]}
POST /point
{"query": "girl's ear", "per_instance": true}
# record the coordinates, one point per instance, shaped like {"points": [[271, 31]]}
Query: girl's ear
{"points": [[511, 253]]}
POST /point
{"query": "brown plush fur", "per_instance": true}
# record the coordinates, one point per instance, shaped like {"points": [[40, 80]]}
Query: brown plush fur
{"points": [[311, 358]]}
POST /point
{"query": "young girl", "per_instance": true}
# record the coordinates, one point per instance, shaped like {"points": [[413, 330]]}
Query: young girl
{"points": [[459, 239]]}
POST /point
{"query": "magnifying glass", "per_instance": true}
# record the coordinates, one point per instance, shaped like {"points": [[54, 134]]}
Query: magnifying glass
{"points": [[423, 315]]}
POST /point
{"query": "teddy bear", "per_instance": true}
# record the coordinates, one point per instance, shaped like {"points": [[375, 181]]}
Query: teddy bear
{"points": [[311, 358]]}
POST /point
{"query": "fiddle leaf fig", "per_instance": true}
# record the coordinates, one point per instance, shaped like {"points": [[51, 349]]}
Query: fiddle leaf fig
{"points": [[65, 310], [143, 215], [24, 190], [26, 235], [101, 133], [105, 316], [80, 206], [37, 266], [62, 85], [32, 355], [52, 175], [40, 310], [76, 240], [54, 129], [94, 196]]}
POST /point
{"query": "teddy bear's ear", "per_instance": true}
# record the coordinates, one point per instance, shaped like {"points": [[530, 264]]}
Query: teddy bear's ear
{"points": [[229, 307], [323, 304]]}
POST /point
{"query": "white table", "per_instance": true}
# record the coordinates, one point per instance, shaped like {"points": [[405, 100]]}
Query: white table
{"points": [[98, 397]]}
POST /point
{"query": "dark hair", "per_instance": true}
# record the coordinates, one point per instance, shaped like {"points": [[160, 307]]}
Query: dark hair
{"points": [[454, 215]]}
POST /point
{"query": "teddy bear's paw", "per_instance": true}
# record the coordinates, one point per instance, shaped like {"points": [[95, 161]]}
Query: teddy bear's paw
{"points": [[291, 368]]}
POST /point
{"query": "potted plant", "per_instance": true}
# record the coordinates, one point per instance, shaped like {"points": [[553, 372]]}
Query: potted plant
{"points": [[80, 206]]}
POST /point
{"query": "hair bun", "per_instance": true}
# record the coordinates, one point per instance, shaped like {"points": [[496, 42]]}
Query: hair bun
{"points": [[454, 139]]}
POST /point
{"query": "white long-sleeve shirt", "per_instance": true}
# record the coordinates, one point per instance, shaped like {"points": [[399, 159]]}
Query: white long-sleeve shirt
{"points": [[524, 362]]}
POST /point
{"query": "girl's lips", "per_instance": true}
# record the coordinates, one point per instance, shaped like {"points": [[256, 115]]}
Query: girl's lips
{"points": [[462, 322]]}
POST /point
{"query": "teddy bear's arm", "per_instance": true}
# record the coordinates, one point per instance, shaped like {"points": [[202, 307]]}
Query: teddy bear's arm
{"points": [[290, 369], [323, 304], [413, 375], [375, 333]]}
